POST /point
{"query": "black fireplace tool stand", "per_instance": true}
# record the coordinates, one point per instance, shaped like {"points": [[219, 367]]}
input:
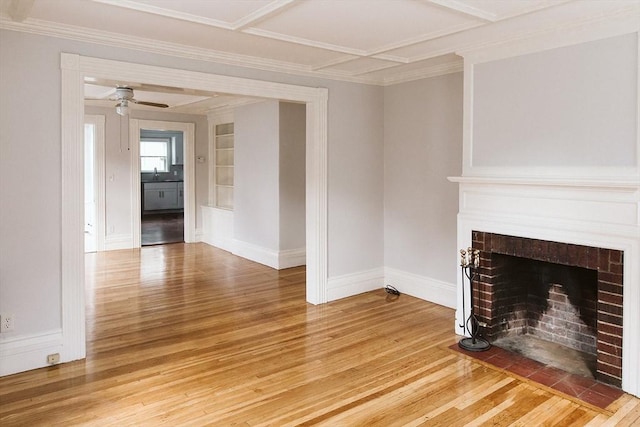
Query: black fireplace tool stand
{"points": [[469, 262]]}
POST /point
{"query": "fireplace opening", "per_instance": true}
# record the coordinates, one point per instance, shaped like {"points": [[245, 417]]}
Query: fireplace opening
{"points": [[547, 312], [562, 301]]}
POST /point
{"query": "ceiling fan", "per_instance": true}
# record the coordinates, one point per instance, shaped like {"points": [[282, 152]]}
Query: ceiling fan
{"points": [[124, 95]]}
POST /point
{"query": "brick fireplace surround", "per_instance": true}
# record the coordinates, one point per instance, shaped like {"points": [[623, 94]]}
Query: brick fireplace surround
{"points": [[606, 266]]}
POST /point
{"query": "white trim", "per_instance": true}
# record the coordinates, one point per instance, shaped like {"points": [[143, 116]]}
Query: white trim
{"points": [[272, 258], [255, 253], [99, 178], [292, 258], [217, 227], [627, 24], [593, 215], [116, 242], [188, 131], [355, 283], [72, 206], [620, 22], [216, 117], [199, 234], [423, 287], [74, 69], [135, 197], [25, 352]]}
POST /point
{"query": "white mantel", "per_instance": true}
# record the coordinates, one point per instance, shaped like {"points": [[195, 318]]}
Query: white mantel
{"points": [[545, 183], [605, 214]]}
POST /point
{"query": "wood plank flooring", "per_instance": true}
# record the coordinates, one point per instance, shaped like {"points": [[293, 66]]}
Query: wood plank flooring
{"points": [[191, 335]]}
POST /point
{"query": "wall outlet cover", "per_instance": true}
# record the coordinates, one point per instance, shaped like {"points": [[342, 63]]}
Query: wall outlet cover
{"points": [[6, 322]]}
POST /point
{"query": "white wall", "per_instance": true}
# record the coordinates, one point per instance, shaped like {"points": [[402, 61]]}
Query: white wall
{"points": [[570, 106], [269, 182], [423, 146], [355, 179], [30, 188], [30, 252], [292, 175], [256, 211]]}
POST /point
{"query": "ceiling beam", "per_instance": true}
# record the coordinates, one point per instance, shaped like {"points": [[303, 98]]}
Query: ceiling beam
{"points": [[271, 9], [466, 9]]}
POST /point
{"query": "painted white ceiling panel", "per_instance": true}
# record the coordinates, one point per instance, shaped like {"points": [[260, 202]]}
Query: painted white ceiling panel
{"points": [[361, 24], [368, 41], [164, 29], [226, 11]]}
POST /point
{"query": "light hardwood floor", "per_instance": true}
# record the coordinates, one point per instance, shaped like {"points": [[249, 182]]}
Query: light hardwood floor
{"points": [[191, 335]]}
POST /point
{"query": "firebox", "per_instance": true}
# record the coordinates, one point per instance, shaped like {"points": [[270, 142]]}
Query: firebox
{"points": [[558, 292]]}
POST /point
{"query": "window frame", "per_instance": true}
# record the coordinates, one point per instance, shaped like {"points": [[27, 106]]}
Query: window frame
{"points": [[167, 164]]}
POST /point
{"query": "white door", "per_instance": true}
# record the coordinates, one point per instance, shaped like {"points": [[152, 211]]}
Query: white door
{"points": [[89, 188]]}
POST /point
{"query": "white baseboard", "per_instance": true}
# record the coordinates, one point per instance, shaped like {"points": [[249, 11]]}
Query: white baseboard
{"points": [[354, 283], [269, 257], [426, 288], [118, 241], [23, 353], [255, 253], [292, 258]]}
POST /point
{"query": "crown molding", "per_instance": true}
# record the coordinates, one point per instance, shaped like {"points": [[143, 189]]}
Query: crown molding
{"points": [[50, 29], [618, 22], [46, 28], [425, 73]]}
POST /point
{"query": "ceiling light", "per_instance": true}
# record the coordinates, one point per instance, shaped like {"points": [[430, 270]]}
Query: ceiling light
{"points": [[123, 107]]}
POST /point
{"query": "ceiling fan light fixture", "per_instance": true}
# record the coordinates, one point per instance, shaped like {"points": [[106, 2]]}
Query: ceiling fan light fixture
{"points": [[123, 107]]}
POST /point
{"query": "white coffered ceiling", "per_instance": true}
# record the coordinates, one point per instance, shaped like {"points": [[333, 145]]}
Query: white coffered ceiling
{"points": [[369, 41], [378, 42]]}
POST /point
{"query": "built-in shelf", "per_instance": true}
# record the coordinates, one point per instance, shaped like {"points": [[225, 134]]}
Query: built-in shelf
{"points": [[224, 165]]}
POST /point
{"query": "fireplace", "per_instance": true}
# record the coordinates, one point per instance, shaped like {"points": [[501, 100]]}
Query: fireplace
{"points": [[563, 293]]}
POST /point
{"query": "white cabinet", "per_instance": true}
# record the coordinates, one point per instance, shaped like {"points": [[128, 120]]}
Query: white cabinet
{"points": [[162, 195]]}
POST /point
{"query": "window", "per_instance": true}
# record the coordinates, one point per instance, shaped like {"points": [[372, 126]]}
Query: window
{"points": [[154, 154]]}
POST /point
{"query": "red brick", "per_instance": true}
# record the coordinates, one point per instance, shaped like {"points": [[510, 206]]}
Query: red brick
{"points": [[610, 349], [615, 257], [605, 276], [606, 328], [610, 298], [616, 268], [614, 371], [603, 259], [610, 359], [615, 340], [609, 318], [610, 308]]}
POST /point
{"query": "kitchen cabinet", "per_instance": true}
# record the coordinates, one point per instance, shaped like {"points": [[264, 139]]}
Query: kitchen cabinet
{"points": [[162, 195], [177, 154]]}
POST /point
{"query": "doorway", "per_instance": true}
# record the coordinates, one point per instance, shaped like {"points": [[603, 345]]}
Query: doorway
{"points": [[74, 69], [184, 190], [162, 187]]}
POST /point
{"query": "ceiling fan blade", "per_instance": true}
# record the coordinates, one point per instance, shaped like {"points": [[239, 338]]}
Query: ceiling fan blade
{"points": [[150, 104]]}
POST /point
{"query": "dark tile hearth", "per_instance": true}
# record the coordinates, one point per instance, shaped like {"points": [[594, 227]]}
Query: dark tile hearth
{"points": [[577, 386]]}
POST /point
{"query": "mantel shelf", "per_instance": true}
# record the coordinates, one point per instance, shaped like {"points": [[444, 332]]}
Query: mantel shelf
{"points": [[632, 184]]}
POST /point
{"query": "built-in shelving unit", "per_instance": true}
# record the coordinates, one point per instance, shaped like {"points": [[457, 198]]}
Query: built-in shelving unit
{"points": [[224, 160]]}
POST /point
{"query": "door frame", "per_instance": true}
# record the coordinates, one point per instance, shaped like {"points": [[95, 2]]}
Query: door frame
{"points": [[98, 121], [74, 69], [188, 149]]}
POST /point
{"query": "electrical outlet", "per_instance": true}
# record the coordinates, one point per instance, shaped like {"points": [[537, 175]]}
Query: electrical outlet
{"points": [[54, 358], [6, 322]]}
